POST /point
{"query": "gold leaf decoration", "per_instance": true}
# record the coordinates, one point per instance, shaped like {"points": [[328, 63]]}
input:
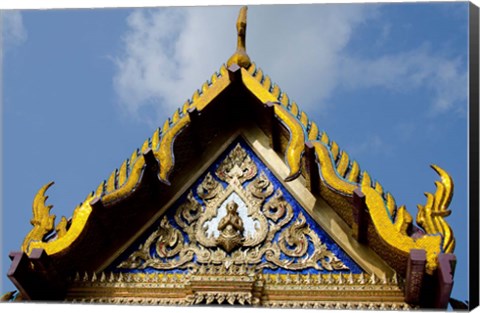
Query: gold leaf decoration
{"points": [[42, 221], [431, 215], [238, 163], [215, 239]]}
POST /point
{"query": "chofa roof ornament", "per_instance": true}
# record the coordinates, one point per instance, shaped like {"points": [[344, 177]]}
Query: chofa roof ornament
{"points": [[240, 57]]}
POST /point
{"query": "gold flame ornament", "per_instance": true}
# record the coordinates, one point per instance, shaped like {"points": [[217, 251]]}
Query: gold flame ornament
{"points": [[431, 215], [42, 221]]}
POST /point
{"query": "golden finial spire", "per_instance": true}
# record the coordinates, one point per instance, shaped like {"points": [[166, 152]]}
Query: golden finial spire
{"points": [[240, 56]]}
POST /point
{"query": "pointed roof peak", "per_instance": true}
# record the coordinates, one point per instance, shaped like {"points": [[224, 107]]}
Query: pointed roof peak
{"points": [[240, 57]]}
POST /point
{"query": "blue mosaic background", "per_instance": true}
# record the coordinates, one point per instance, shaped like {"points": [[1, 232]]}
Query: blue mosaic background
{"points": [[297, 209]]}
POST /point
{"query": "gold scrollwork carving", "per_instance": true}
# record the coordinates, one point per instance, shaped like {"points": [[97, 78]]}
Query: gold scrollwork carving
{"points": [[261, 187], [296, 236], [217, 230], [209, 188], [168, 242], [237, 164]]}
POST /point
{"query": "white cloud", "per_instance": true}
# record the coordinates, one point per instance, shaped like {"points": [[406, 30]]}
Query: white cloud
{"points": [[417, 69], [371, 145], [13, 30], [170, 52]]}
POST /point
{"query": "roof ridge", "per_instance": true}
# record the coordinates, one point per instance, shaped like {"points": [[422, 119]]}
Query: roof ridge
{"points": [[346, 168]]}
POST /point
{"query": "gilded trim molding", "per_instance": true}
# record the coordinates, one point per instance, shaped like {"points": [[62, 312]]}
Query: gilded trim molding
{"points": [[338, 171]]}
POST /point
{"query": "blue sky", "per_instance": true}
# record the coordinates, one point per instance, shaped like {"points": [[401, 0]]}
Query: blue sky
{"points": [[82, 89]]}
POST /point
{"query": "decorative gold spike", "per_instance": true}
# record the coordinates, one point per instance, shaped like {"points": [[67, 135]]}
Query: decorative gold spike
{"points": [[334, 150], [195, 96], [165, 128], [61, 228], [85, 277], [252, 69], [99, 191], [77, 276], [325, 138], [342, 164], [288, 279], [156, 137], [308, 279], [395, 278], [391, 206], [373, 279], [133, 158], [259, 75], [350, 279], [111, 278], [294, 109], [220, 298], [175, 118], [361, 279], [103, 278], [185, 107], [240, 56], [276, 91], [267, 83], [145, 145], [329, 278], [42, 221], [313, 131], [431, 216], [94, 277], [122, 174], [284, 100], [384, 279], [278, 278], [354, 171], [378, 188], [111, 182], [303, 119], [223, 70], [298, 280], [204, 87], [366, 180], [214, 78], [402, 220], [210, 298]]}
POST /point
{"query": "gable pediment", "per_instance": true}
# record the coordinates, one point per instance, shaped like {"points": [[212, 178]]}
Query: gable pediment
{"points": [[238, 234], [237, 212]]}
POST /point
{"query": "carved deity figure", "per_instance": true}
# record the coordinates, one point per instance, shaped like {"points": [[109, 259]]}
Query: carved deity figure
{"points": [[231, 229]]}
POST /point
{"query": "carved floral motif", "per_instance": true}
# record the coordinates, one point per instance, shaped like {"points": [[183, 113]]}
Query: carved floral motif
{"points": [[277, 238]]}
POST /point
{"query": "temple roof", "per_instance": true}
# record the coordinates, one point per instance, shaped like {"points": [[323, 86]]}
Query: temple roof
{"points": [[160, 167]]}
